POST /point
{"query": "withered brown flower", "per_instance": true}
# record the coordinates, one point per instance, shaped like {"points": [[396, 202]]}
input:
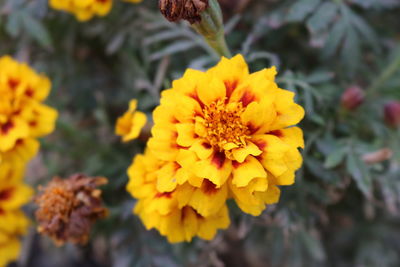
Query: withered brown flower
{"points": [[69, 207], [190, 10]]}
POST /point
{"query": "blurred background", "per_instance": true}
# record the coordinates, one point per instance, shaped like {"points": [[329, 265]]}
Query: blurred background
{"points": [[341, 57]]}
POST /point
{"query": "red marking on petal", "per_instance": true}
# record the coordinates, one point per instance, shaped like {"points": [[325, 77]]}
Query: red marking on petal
{"points": [[247, 98], [208, 187], [29, 92], [6, 194], [261, 144], [163, 195], [33, 123], [235, 164], [196, 97], [218, 159], [2, 212], [206, 145], [277, 133], [19, 142], [230, 86], [13, 83], [5, 128], [252, 128]]}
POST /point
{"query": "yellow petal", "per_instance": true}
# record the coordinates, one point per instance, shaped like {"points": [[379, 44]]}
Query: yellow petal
{"points": [[244, 173]]}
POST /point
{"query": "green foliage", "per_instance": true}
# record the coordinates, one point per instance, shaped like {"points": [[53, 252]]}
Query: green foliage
{"points": [[341, 210]]}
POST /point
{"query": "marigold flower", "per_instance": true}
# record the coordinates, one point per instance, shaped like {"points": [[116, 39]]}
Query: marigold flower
{"points": [[23, 117], [131, 123], [85, 10], [178, 215], [219, 134], [13, 223], [68, 208]]}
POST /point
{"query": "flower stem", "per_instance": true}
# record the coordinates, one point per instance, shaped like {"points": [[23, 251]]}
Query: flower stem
{"points": [[211, 27], [386, 74]]}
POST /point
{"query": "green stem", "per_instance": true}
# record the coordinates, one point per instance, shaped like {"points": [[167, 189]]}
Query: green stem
{"points": [[385, 75], [211, 27]]}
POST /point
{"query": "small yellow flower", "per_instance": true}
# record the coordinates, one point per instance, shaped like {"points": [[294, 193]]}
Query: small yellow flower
{"points": [[131, 123]]}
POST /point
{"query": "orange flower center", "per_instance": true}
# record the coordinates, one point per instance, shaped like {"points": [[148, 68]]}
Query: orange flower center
{"points": [[224, 126]]}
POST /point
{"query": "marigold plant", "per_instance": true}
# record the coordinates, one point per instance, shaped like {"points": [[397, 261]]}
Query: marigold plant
{"points": [[219, 134]]}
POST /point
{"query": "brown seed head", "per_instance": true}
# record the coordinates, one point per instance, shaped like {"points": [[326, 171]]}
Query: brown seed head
{"points": [[68, 208], [176, 10]]}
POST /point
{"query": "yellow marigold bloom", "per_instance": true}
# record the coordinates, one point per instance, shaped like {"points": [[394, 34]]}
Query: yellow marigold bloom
{"points": [[179, 215], [229, 128], [13, 223], [23, 117], [83, 10], [9, 249], [131, 123]]}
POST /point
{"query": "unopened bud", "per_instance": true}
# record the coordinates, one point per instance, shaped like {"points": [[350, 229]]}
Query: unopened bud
{"points": [[69, 207], [176, 10], [392, 113], [353, 97]]}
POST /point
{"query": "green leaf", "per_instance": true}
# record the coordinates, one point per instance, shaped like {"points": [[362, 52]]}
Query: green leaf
{"points": [[13, 26], [335, 158], [335, 38], [322, 17], [36, 29], [360, 173], [301, 9]]}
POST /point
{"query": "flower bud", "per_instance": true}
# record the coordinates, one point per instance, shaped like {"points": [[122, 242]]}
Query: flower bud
{"points": [[392, 113], [68, 208], [353, 97], [176, 10]]}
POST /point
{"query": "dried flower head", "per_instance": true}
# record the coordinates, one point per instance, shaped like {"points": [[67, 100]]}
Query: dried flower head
{"points": [[190, 10], [68, 208]]}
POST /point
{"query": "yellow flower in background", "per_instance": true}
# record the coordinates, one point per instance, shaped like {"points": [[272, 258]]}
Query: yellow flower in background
{"points": [[23, 117], [13, 222], [9, 249], [176, 215], [85, 10], [131, 123]]}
